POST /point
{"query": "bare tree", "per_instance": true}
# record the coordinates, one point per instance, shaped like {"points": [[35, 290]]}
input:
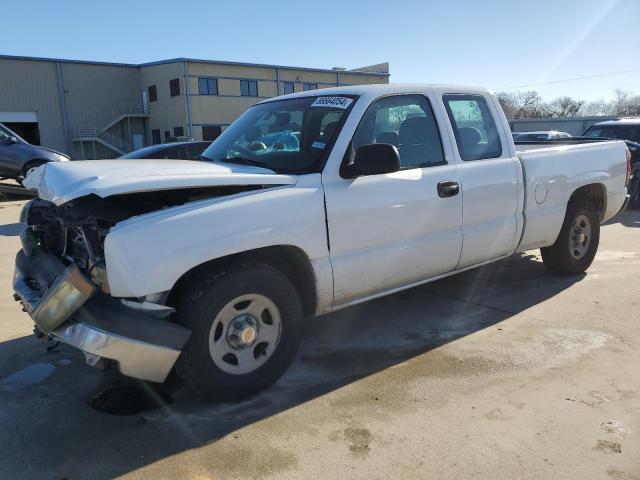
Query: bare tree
{"points": [[565, 107], [626, 104], [526, 104], [597, 108], [508, 103]]}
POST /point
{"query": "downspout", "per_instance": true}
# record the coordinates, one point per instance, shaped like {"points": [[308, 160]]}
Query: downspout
{"points": [[187, 93], [63, 108], [277, 81], [337, 79]]}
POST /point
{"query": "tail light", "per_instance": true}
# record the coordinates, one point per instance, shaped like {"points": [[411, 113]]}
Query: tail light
{"points": [[626, 183]]}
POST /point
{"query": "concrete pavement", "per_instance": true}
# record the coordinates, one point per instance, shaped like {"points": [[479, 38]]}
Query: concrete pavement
{"points": [[501, 373]]}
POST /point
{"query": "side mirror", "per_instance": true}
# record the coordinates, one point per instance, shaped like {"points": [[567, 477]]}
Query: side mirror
{"points": [[373, 159], [11, 139]]}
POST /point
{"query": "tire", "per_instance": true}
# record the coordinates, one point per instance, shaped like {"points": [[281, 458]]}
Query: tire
{"points": [[29, 166], [210, 305], [572, 253]]}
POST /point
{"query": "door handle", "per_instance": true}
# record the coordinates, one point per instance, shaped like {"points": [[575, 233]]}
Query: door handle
{"points": [[448, 189]]}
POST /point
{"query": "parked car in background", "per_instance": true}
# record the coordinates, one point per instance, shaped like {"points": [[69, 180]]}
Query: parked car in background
{"points": [[627, 129], [174, 151], [541, 136], [374, 189], [18, 157]]}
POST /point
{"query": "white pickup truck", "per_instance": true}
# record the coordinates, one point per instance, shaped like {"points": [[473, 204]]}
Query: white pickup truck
{"points": [[306, 204]]}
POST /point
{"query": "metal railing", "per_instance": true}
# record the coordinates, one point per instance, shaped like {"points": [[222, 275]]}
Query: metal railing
{"points": [[106, 120], [106, 136]]}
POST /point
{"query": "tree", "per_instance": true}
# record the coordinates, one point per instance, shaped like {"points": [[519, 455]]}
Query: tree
{"points": [[527, 104], [565, 107], [626, 104], [596, 108]]}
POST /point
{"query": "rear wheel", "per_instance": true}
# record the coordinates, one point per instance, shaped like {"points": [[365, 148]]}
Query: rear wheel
{"points": [[246, 323], [577, 244]]}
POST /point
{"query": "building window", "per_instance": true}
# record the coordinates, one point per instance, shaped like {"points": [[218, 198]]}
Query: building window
{"points": [[249, 88], [178, 132], [288, 87], [153, 93], [310, 86], [208, 86], [174, 87], [155, 136], [167, 134], [211, 132]]}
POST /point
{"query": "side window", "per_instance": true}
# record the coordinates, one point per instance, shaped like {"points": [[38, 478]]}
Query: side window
{"points": [[152, 92], [288, 87], [407, 122], [476, 132], [249, 88], [155, 135], [174, 87]]}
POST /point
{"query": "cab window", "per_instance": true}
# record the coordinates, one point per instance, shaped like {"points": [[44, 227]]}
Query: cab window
{"points": [[407, 122], [475, 131]]}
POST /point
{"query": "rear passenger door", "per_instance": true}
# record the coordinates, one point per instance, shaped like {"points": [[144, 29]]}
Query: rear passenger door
{"points": [[490, 178], [391, 230]]}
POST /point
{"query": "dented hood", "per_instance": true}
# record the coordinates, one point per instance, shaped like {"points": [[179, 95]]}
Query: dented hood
{"points": [[64, 181]]}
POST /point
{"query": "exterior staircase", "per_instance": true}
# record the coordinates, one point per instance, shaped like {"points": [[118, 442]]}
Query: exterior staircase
{"points": [[99, 131]]}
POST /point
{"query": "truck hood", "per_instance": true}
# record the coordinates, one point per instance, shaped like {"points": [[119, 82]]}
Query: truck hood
{"points": [[63, 181]]}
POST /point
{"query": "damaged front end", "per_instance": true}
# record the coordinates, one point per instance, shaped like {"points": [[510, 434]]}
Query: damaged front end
{"points": [[61, 279]]}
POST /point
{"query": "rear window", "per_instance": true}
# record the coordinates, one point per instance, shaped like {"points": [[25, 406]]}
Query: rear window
{"points": [[619, 132], [476, 132]]}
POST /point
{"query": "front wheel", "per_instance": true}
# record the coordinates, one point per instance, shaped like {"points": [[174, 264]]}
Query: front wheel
{"points": [[246, 323], [577, 244]]}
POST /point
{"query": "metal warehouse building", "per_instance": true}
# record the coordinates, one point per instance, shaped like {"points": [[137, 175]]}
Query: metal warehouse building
{"points": [[101, 110]]}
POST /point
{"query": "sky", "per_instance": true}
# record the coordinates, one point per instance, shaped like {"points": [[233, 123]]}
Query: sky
{"points": [[582, 48]]}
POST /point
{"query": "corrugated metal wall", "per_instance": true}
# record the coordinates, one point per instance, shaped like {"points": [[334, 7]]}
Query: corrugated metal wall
{"points": [[91, 91], [33, 86], [85, 91]]}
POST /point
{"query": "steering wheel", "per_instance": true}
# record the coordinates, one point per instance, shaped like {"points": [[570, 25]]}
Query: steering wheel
{"points": [[256, 145], [244, 151]]}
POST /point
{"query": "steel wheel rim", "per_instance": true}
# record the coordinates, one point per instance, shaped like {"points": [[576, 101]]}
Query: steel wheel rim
{"points": [[579, 237], [245, 333]]}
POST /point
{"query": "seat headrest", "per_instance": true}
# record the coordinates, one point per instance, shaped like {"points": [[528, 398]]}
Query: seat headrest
{"points": [[413, 130], [388, 137], [469, 136], [329, 130]]}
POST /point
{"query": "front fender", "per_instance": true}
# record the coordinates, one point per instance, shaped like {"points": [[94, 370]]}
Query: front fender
{"points": [[148, 254]]}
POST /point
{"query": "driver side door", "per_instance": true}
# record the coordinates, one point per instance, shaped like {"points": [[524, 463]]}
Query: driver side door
{"points": [[387, 231]]}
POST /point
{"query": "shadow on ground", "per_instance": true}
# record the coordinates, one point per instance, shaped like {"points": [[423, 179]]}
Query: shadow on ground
{"points": [[629, 218], [49, 431]]}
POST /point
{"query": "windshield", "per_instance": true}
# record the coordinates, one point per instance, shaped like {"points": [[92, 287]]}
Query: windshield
{"points": [[288, 136], [619, 132]]}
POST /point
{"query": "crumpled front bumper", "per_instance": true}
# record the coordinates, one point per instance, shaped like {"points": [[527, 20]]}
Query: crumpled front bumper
{"points": [[65, 305]]}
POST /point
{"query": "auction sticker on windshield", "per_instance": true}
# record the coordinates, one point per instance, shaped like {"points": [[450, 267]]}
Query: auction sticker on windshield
{"points": [[336, 102]]}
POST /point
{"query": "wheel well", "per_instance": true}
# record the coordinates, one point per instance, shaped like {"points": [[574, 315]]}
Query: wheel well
{"points": [[290, 260], [30, 163], [596, 192]]}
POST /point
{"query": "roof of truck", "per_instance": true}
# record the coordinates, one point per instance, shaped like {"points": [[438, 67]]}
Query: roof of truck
{"points": [[381, 89]]}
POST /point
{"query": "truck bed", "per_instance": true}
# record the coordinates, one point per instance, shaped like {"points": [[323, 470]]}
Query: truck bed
{"points": [[550, 179]]}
